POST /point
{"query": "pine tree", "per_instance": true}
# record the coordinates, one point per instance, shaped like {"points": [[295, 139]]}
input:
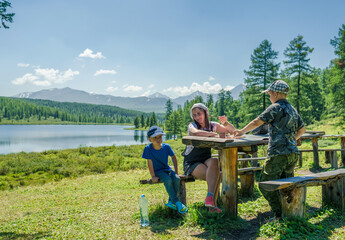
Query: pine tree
{"points": [[142, 121], [5, 17], [297, 63], [137, 122], [168, 109]]}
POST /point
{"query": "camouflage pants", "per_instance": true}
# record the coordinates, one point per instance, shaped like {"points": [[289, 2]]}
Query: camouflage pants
{"points": [[277, 167]]}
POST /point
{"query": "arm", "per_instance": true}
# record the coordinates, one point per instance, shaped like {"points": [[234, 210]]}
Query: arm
{"points": [[227, 127], [196, 132], [300, 132], [257, 122], [152, 172], [174, 160]]}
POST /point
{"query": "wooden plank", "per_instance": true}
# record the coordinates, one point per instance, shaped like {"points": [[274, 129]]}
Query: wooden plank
{"points": [[228, 158], [252, 159], [315, 132], [183, 178], [247, 185], [333, 136], [242, 171], [320, 150], [307, 180], [310, 136], [220, 143]]}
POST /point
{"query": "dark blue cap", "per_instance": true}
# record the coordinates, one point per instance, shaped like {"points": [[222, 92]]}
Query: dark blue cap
{"points": [[155, 131]]}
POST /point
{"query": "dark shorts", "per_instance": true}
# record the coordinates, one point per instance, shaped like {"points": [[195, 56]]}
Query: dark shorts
{"points": [[194, 158]]}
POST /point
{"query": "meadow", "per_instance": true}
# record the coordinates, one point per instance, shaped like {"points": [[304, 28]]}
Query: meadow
{"points": [[93, 193]]}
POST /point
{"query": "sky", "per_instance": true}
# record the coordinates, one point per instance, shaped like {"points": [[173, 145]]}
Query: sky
{"points": [[140, 47]]}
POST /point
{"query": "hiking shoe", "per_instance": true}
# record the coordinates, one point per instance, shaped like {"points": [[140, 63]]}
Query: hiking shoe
{"points": [[181, 207], [171, 205], [209, 202], [215, 209]]}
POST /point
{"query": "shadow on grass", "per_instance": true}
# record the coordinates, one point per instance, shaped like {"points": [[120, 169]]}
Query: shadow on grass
{"points": [[13, 235]]}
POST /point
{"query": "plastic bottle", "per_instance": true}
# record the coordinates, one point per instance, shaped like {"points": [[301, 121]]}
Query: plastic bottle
{"points": [[144, 211]]}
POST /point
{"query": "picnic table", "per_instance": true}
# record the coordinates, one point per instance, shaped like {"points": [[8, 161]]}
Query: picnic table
{"points": [[228, 156]]}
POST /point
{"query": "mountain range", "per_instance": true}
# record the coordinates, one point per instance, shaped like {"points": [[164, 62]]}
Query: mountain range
{"points": [[153, 103]]}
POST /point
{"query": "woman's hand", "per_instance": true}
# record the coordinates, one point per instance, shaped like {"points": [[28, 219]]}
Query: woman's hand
{"points": [[238, 132], [223, 119]]}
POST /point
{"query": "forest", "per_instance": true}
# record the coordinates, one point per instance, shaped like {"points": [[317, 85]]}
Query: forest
{"points": [[316, 94]]}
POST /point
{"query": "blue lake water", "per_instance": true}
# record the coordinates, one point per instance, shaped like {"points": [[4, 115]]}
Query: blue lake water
{"points": [[37, 138]]}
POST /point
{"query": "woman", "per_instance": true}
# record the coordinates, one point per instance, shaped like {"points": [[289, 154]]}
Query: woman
{"points": [[198, 161]]}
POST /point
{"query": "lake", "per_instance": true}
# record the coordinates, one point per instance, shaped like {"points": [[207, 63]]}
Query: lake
{"points": [[37, 138]]}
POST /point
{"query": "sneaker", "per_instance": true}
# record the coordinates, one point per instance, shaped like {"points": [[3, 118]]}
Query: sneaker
{"points": [[171, 205], [209, 202], [215, 209], [181, 207]]}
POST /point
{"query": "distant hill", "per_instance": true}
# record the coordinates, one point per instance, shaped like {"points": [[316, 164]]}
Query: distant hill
{"points": [[153, 103]]}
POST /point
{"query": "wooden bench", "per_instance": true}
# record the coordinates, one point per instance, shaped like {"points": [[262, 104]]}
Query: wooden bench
{"points": [[182, 191], [247, 180], [330, 155], [293, 191]]}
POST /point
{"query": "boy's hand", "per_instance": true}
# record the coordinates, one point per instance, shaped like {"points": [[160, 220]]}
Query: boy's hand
{"points": [[180, 175], [223, 119], [238, 133], [155, 179]]}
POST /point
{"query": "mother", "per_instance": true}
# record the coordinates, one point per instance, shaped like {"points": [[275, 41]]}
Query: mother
{"points": [[198, 161]]}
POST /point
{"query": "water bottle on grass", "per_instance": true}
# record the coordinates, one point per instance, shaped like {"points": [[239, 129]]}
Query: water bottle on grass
{"points": [[144, 211]]}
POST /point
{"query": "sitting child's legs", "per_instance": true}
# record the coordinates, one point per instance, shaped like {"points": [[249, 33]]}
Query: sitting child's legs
{"points": [[165, 178]]}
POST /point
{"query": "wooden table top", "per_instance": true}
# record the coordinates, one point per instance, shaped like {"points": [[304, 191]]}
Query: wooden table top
{"points": [[214, 142]]}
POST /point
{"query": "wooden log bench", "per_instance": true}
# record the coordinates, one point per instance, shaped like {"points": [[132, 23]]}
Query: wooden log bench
{"points": [[247, 180], [293, 191], [182, 191], [330, 156]]}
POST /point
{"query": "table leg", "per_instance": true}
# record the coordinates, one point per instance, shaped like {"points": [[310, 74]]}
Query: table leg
{"points": [[229, 161], [316, 152], [342, 153]]}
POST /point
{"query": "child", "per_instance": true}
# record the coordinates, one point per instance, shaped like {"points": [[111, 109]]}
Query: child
{"points": [[157, 154], [198, 161], [285, 128]]}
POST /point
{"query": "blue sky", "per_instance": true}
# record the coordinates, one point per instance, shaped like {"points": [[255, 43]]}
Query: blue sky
{"points": [[136, 47]]}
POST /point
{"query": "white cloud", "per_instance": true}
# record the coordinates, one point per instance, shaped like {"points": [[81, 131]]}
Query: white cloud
{"points": [[102, 71], [27, 78], [88, 53], [132, 88], [206, 87], [211, 78], [228, 88], [23, 65], [46, 77], [151, 86], [54, 76], [147, 93], [112, 89]]}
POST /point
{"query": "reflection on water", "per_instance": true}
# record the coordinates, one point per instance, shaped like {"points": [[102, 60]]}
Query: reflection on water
{"points": [[37, 138]]}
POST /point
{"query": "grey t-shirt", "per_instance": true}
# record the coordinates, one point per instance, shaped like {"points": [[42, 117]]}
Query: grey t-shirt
{"points": [[284, 123]]}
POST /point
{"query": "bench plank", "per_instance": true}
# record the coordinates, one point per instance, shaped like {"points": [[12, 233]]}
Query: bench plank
{"points": [[183, 178], [307, 180]]}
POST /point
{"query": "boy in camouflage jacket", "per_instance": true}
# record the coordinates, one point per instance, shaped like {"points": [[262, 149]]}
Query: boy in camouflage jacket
{"points": [[285, 128]]}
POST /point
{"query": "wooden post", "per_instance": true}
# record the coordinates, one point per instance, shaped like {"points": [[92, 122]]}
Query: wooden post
{"points": [[316, 152], [229, 180], [334, 159], [247, 184], [293, 202], [328, 156], [182, 192], [334, 194], [342, 146], [255, 163]]}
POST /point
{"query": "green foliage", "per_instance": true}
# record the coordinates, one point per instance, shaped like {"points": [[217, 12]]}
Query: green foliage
{"points": [[5, 17]]}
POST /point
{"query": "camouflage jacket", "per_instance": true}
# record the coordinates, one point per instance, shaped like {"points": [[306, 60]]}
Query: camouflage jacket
{"points": [[284, 122]]}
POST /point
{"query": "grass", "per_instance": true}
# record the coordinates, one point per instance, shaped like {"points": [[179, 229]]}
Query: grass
{"points": [[93, 204]]}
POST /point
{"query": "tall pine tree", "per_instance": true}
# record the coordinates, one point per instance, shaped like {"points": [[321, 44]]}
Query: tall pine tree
{"points": [[297, 63]]}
